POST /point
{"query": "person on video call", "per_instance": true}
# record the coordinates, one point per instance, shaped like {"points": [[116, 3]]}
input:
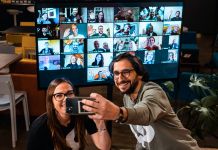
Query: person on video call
{"points": [[149, 57], [151, 44], [44, 32], [100, 76], [174, 45], [171, 57], [149, 30], [47, 64], [75, 62], [99, 60], [75, 17], [125, 31], [73, 47], [100, 32], [97, 47], [43, 19], [57, 130], [47, 50], [146, 108], [128, 16], [100, 17], [72, 32], [106, 47], [177, 16]]}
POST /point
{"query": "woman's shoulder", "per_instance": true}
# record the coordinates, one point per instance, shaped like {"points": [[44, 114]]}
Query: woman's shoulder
{"points": [[40, 122]]}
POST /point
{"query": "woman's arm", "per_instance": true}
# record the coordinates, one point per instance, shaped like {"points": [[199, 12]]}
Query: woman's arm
{"points": [[101, 138]]}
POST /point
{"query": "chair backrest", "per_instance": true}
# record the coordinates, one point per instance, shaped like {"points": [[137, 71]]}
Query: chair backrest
{"points": [[29, 46], [7, 87], [188, 37]]}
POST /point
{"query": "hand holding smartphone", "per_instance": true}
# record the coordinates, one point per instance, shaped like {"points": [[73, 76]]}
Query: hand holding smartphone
{"points": [[74, 106]]}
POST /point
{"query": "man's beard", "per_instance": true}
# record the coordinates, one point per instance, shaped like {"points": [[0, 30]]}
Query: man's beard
{"points": [[132, 87]]}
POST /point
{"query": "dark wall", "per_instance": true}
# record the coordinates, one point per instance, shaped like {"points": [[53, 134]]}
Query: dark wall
{"points": [[6, 20], [201, 16]]}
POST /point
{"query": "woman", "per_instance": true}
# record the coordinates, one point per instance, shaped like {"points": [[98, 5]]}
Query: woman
{"points": [[151, 44], [57, 130], [99, 60], [75, 62], [100, 17]]}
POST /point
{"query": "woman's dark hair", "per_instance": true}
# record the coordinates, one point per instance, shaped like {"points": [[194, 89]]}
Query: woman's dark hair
{"points": [[136, 64], [58, 138], [101, 62], [97, 18]]}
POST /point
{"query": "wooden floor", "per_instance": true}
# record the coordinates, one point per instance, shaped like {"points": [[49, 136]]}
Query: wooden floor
{"points": [[122, 138]]}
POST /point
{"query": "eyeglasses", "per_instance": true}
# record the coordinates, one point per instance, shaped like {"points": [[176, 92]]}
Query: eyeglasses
{"points": [[125, 73], [61, 96]]}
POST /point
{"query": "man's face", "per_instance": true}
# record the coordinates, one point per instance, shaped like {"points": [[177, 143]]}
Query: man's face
{"points": [[74, 29], [177, 14], [44, 30], [100, 30], [128, 84], [149, 56], [96, 44], [75, 11], [75, 45]]}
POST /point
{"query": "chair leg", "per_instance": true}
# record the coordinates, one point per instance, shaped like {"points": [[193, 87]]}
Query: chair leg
{"points": [[13, 127], [26, 112]]}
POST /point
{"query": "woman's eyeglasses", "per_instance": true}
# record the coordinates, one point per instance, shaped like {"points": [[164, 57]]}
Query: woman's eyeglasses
{"points": [[124, 73], [61, 96]]}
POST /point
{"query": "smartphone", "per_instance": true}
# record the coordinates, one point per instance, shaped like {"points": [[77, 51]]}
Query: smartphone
{"points": [[74, 106]]}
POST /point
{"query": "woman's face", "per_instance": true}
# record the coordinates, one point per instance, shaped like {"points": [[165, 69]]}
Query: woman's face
{"points": [[60, 106], [100, 15], [152, 41], [98, 58], [73, 59]]}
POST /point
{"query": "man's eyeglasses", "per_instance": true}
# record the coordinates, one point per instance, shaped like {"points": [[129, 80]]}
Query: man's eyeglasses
{"points": [[125, 73], [61, 96]]}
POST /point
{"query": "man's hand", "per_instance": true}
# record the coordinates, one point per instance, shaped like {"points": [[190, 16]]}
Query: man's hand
{"points": [[103, 108]]}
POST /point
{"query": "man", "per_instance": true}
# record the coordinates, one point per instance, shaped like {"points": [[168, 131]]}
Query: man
{"points": [[75, 17], [106, 47], [146, 108], [72, 32], [177, 17], [97, 48], [100, 32], [47, 50], [44, 33]]}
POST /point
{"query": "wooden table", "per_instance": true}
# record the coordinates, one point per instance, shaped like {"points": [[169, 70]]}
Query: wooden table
{"points": [[7, 59]]}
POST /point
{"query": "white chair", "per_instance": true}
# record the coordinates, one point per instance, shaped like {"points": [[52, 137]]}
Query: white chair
{"points": [[8, 100]]}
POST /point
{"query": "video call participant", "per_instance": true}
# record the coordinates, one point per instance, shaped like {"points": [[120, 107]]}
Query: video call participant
{"points": [[120, 45], [146, 108], [47, 50], [128, 16], [73, 47], [151, 44], [100, 17], [149, 57], [99, 60], [173, 29], [100, 32], [58, 130], [149, 30], [75, 17], [72, 32], [177, 16], [125, 31], [174, 45], [75, 62], [97, 47], [46, 64], [171, 57], [106, 47], [44, 32], [100, 76], [43, 18]]}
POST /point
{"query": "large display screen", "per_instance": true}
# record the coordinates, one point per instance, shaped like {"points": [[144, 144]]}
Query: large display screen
{"points": [[79, 40]]}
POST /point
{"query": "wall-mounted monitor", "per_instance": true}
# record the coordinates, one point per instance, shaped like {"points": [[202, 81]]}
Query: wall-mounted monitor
{"points": [[78, 40]]}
